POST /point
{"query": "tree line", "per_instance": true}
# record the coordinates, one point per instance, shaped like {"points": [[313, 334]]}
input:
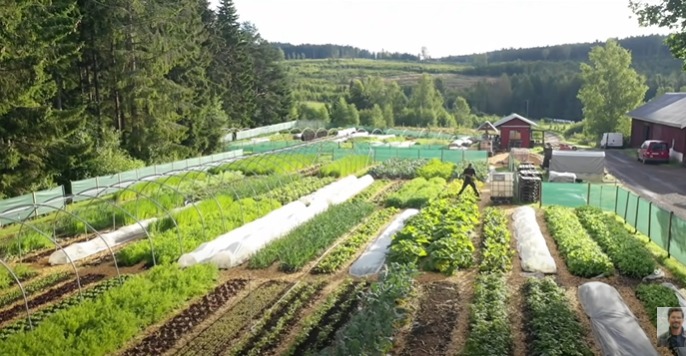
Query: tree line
{"points": [[326, 51], [97, 87]]}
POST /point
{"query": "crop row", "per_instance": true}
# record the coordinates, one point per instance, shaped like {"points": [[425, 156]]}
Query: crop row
{"points": [[12, 295], [496, 253], [583, 256], [490, 332], [282, 163], [342, 253], [52, 295], [438, 238], [187, 229], [311, 239], [379, 186], [166, 336], [437, 169], [396, 168], [345, 166], [102, 325], [383, 309], [23, 273], [552, 325], [275, 323], [654, 296], [119, 209], [319, 328], [417, 193], [235, 322], [628, 254]]}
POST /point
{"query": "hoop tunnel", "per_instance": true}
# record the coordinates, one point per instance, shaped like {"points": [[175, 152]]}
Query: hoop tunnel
{"points": [[138, 222], [23, 292], [105, 189]]}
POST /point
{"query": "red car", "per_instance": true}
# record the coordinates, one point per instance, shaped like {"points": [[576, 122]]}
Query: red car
{"points": [[653, 151]]}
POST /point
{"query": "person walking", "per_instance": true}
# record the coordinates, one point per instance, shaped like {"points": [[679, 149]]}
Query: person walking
{"points": [[469, 178]]}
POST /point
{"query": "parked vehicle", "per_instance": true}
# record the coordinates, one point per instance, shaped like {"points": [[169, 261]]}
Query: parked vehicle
{"points": [[653, 151], [612, 140]]}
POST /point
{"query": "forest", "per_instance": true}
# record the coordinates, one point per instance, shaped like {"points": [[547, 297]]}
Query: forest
{"points": [[96, 87]]}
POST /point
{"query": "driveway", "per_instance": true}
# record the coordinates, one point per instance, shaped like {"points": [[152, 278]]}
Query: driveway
{"points": [[663, 185]]}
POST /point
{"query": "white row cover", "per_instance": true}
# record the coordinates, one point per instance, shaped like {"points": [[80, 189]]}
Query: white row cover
{"points": [[235, 247], [100, 243], [373, 258], [531, 245], [614, 325]]}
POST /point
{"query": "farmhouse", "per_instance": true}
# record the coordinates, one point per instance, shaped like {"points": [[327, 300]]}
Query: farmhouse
{"points": [[663, 118], [515, 132]]}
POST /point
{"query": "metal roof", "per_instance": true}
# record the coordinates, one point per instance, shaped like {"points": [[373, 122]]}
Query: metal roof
{"points": [[512, 117], [669, 110], [487, 126]]}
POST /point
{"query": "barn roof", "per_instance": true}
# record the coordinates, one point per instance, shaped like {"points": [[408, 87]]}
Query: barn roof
{"points": [[669, 110], [511, 117], [487, 126]]}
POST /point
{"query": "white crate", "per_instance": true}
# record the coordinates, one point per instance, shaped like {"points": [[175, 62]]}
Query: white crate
{"points": [[502, 185]]}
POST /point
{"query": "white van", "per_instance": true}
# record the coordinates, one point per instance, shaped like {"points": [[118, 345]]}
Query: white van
{"points": [[612, 140]]}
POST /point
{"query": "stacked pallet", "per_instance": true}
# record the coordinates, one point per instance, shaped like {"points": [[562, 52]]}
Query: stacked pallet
{"points": [[529, 183]]}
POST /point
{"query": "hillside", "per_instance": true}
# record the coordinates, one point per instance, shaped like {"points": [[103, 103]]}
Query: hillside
{"points": [[540, 82]]}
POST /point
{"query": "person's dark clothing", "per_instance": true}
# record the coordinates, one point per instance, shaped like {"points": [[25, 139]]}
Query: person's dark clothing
{"points": [[469, 176], [667, 340]]}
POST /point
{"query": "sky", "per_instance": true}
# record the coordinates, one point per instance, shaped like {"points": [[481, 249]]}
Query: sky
{"points": [[444, 27]]}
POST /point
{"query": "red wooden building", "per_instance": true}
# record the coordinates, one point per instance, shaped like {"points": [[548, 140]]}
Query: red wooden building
{"points": [[662, 118], [515, 132]]}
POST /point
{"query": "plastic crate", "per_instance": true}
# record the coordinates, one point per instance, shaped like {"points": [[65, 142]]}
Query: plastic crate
{"points": [[502, 185]]}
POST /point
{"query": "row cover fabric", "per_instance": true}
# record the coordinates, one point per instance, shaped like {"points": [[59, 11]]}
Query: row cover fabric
{"points": [[373, 258], [561, 177], [236, 246], [614, 325], [531, 245], [81, 250], [264, 130]]}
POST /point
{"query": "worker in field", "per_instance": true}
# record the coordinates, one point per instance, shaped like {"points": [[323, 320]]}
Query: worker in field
{"points": [[469, 179]]}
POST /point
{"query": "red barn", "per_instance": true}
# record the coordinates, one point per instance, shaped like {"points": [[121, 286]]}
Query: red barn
{"points": [[662, 118], [515, 132]]}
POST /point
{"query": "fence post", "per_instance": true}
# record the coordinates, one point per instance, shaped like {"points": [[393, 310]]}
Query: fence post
{"points": [[638, 202], [442, 158], [616, 197], [540, 197], [626, 207], [588, 195], [669, 234], [650, 217], [462, 155], [35, 201], [600, 200]]}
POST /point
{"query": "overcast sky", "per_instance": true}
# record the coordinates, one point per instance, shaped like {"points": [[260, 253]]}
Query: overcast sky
{"points": [[445, 27]]}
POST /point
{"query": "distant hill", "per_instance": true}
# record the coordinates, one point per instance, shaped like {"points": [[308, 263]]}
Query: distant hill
{"points": [[538, 82], [326, 51]]}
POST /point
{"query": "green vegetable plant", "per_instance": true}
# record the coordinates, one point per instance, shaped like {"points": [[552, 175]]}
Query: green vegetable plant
{"points": [[653, 296], [416, 193], [496, 253], [583, 256]]}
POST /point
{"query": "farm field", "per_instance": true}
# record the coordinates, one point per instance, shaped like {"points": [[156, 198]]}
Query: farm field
{"points": [[206, 273]]}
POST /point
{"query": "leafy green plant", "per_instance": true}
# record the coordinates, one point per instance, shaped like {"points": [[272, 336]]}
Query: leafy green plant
{"points": [[396, 168], [583, 256], [490, 332], [496, 252], [629, 255], [436, 168], [654, 296], [86, 328], [552, 323], [417, 193], [345, 166], [369, 331]]}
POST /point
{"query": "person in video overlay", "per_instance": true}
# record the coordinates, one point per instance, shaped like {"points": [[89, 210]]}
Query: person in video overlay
{"points": [[469, 177], [675, 337]]}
